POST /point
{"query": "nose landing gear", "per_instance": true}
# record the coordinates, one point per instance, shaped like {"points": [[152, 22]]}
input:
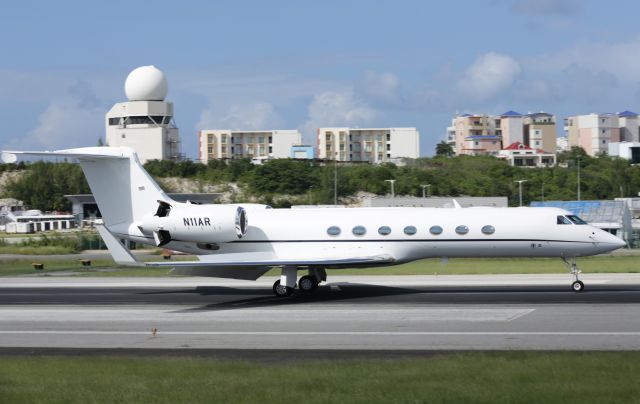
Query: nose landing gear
{"points": [[577, 285]]}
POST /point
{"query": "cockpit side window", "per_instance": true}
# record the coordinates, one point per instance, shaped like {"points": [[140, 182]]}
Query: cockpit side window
{"points": [[563, 220], [575, 219]]}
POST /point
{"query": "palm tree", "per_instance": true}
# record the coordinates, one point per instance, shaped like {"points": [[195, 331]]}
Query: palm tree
{"points": [[444, 149]]}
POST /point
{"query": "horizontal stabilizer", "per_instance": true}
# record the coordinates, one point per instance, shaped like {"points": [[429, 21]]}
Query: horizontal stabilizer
{"points": [[10, 156]]}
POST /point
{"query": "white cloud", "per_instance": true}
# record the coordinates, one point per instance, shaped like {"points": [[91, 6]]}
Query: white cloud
{"points": [[380, 87], [621, 59], [249, 116], [337, 108], [74, 120], [489, 75]]}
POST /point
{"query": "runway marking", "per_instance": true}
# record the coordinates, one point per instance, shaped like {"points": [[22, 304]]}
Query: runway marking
{"points": [[330, 333]]}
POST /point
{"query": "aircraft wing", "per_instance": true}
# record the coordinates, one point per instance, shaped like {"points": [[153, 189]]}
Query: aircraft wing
{"points": [[237, 265], [269, 260]]}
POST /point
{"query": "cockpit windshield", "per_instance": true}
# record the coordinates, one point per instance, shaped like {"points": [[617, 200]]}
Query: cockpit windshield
{"points": [[563, 220], [575, 219]]}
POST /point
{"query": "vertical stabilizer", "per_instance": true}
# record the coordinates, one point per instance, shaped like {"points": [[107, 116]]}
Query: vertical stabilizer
{"points": [[123, 190]]}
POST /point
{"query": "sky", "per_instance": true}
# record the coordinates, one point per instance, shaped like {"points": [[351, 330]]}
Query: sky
{"points": [[249, 65]]}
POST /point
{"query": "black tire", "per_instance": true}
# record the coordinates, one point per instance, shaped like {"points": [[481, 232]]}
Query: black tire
{"points": [[308, 284], [577, 286], [281, 291]]}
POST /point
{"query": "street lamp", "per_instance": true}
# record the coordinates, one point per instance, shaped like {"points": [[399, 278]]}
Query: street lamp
{"points": [[393, 194], [520, 189], [428, 187]]}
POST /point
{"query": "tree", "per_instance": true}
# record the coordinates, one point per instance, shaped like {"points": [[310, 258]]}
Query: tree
{"points": [[444, 149]]}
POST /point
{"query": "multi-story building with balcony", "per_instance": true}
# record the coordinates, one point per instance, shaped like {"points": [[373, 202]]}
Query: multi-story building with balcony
{"points": [[374, 145], [488, 134], [256, 145], [593, 132]]}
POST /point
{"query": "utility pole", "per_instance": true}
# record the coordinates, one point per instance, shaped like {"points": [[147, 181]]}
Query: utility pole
{"points": [[578, 161], [428, 187], [520, 189], [335, 181], [393, 194]]}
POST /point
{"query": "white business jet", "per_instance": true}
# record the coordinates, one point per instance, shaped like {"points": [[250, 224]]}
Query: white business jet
{"points": [[243, 241]]}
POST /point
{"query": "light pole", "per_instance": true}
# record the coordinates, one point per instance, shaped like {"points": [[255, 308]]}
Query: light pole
{"points": [[393, 194], [520, 189], [335, 179], [578, 161], [428, 187]]}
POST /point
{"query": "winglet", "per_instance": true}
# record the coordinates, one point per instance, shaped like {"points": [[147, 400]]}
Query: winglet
{"points": [[119, 252]]}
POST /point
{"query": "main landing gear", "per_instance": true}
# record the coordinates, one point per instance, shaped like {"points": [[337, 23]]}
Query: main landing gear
{"points": [[577, 285], [286, 285]]}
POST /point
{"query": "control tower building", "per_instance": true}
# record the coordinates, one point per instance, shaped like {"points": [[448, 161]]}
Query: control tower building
{"points": [[145, 122]]}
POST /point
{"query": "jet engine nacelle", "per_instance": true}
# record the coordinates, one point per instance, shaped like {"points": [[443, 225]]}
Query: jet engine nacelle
{"points": [[195, 223]]}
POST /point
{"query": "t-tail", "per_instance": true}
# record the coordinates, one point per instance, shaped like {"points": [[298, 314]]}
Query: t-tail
{"points": [[123, 190]]}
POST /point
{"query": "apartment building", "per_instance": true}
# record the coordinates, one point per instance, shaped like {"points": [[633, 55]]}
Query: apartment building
{"points": [[374, 145], [488, 134], [593, 132], [257, 145]]}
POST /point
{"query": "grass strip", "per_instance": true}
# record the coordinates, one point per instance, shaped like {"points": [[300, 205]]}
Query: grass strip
{"points": [[497, 377], [457, 266]]}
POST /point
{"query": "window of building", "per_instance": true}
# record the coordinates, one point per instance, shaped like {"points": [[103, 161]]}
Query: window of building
{"points": [[435, 230], [488, 229], [359, 231], [223, 139], [604, 141], [410, 230], [328, 137], [270, 139], [124, 136], [462, 229], [384, 230], [260, 139], [333, 231], [388, 147], [562, 220], [388, 137], [388, 155], [476, 143], [270, 149]]}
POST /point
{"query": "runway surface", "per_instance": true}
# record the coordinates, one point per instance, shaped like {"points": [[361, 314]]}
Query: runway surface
{"points": [[488, 312]]}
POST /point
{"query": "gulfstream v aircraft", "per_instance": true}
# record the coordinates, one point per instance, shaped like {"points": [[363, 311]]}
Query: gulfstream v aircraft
{"points": [[243, 241]]}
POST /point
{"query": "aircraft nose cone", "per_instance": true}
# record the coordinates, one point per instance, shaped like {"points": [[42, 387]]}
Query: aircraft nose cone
{"points": [[616, 242]]}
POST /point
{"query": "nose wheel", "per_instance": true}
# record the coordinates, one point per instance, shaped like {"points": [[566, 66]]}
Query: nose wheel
{"points": [[577, 285]]}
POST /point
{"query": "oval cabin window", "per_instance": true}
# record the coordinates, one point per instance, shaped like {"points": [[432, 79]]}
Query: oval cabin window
{"points": [[384, 230], [333, 231], [435, 230], [359, 231], [462, 229], [488, 229], [410, 230]]}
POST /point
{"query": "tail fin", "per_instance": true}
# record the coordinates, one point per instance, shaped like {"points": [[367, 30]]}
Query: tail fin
{"points": [[123, 190]]}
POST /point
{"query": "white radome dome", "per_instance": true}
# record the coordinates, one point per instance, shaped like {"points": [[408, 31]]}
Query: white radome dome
{"points": [[146, 83]]}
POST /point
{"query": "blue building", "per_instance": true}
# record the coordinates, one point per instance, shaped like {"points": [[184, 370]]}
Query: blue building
{"points": [[302, 152]]}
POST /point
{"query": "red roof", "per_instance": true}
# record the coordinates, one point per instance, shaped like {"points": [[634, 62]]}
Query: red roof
{"points": [[520, 146], [517, 146]]}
